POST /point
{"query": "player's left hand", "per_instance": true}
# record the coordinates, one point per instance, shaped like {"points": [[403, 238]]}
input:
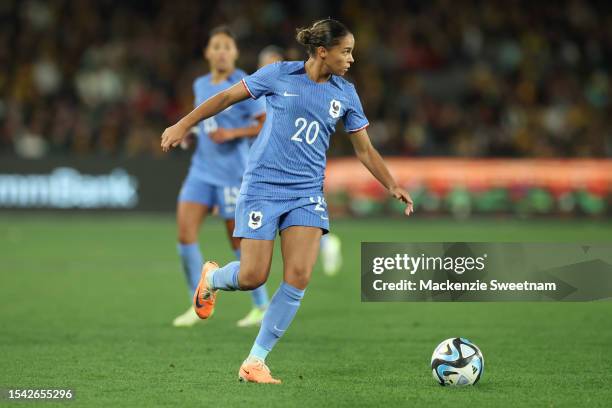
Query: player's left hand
{"points": [[402, 195], [221, 135]]}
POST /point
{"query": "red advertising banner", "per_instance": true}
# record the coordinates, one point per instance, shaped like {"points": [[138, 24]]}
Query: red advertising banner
{"points": [[442, 174]]}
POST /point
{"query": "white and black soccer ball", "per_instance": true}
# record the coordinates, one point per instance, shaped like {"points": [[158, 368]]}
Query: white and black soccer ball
{"points": [[457, 361]]}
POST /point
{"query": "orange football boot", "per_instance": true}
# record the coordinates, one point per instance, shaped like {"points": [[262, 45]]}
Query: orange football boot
{"points": [[204, 297], [256, 371]]}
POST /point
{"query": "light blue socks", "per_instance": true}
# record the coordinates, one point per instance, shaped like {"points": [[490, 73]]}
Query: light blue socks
{"points": [[281, 311], [225, 278], [192, 261]]}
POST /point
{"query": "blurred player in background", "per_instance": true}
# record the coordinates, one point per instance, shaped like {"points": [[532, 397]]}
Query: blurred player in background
{"points": [[331, 246], [217, 167], [270, 55], [282, 189]]}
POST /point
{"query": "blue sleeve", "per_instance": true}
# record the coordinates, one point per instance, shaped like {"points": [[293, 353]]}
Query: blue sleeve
{"points": [[354, 118], [261, 82]]}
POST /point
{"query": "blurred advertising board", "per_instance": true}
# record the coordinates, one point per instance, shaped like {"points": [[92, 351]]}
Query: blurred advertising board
{"points": [[477, 186], [90, 184], [460, 187]]}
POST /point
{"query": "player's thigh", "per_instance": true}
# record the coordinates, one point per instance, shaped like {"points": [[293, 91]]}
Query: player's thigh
{"points": [[189, 217], [230, 225], [255, 261], [226, 199], [300, 248], [195, 200], [257, 224]]}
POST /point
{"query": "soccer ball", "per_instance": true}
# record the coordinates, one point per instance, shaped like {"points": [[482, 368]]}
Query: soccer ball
{"points": [[457, 361]]}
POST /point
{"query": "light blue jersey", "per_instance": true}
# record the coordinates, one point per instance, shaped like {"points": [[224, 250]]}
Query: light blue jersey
{"points": [[288, 157], [222, 164]]}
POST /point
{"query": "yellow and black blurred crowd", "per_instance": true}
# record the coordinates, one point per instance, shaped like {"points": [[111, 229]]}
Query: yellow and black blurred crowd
{"points": [[436, 78]]}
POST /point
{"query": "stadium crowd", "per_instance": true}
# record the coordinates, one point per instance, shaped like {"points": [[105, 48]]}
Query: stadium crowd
{"points": [[468, 78]]}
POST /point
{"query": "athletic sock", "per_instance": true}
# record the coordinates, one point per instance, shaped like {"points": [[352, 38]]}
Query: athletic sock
{"points": [[225, 278], [278, 317], [191, 259], [259, 295]]}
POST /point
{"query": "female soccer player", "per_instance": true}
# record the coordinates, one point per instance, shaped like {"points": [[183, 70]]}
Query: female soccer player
{"points": [[217, 167], [331, 254], [282, 189]]}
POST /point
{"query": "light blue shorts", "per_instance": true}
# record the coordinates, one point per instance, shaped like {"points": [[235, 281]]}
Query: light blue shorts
{"points": [[198, 191], [261, 217]]}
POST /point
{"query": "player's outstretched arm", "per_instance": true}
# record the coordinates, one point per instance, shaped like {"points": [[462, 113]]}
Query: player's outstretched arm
{"points": [[174, 134], [369, 156]]}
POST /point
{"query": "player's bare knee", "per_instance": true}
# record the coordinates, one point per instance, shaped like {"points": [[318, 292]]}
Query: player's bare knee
{"points": [[187, 235], [298, 275], [251, 282], [251, 279]]}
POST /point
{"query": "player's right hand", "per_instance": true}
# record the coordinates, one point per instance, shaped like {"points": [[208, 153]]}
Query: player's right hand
{"points": [[173, 136], [403, 196]]}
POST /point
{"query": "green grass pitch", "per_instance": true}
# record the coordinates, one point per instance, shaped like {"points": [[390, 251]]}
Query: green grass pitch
{"points": [[86, 302]]}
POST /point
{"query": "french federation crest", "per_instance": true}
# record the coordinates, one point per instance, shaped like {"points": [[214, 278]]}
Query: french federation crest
{"points": [[255, 218], [334, 109]]}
